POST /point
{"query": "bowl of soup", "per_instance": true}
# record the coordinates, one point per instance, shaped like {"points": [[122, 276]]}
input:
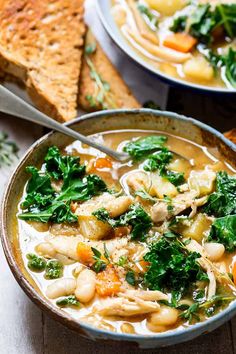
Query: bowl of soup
{"points": [[141, 251], [192, 43]]}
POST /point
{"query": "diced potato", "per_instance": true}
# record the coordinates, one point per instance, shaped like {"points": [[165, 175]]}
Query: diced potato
{"points": [[180, 165], [197, 229], [92, 228], [89, 225], [202, 181], [198, 68], [166, 7], [161, 187]]}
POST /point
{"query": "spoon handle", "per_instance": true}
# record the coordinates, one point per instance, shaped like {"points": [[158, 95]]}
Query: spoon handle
{"points": [[14, 105]]}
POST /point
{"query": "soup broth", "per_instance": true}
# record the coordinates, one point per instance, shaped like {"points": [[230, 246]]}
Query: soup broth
{"points": [[132, 247], [184, 40]]}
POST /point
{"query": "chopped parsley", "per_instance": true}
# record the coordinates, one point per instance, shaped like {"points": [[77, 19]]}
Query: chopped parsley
{"points": [[54, 269], [36, 263]]}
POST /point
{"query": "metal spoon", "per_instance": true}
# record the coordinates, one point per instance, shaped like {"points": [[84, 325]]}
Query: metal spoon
{"points": [[14, 105]]}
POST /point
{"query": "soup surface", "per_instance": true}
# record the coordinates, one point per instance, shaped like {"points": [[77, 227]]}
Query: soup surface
{"points": [[194, 41], [139, 247]]}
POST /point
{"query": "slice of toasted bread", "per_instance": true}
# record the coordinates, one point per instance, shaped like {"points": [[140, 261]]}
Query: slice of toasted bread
{"points": [[231, 135], [101, 86], [41, 42]]}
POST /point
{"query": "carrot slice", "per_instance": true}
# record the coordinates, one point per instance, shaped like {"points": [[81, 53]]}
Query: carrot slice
{"points": [[102, 162], [142, 266], [85, 254], [234, 272], [108, 282], [182, 42]]}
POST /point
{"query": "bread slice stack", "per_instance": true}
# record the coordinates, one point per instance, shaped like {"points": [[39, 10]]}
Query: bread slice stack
{"points": [[42, 45]]}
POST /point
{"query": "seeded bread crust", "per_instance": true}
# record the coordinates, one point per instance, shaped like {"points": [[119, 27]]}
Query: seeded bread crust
{"points": [[41, 43], [123, 98]]}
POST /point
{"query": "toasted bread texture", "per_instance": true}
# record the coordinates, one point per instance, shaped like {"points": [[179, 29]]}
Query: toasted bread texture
{"points": [[41, 43], [231, 135], [101, 86]]}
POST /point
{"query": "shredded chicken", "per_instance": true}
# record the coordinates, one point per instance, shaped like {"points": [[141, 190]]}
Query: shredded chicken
{"points": [[123, 307], [160, 212], [68, 245], [147, 295], [214, 274]]}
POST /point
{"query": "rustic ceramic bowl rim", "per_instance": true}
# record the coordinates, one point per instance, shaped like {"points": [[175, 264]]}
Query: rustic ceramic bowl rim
{"points": [[57, 313], [138, 59]]}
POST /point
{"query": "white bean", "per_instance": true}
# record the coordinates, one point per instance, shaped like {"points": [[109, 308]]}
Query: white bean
{"points": [[167, 316], [85, 285], [214, 250], [45, 249], [61, 287]]}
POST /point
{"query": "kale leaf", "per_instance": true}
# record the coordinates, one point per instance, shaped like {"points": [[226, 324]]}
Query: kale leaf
{"points": [[158, 161], [225, 15], [54, 269], [205, 19], [42, 203], [223, 230], [227, 61], [142, 147], [179, 24], [82, 190], [172, 267], [63, 167], [39, 190], [136, 217], [202, 23], [223, 201]]}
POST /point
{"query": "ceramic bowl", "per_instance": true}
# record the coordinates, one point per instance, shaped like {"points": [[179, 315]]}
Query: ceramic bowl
{"points": [[89, 124], [104, 11]]}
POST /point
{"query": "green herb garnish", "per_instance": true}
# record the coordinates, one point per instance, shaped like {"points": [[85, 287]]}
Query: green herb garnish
{"points": [[226, 61], [68, 301], [54, 269], [8, 150], [36, 263], [205, 19], [99, 264]]}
